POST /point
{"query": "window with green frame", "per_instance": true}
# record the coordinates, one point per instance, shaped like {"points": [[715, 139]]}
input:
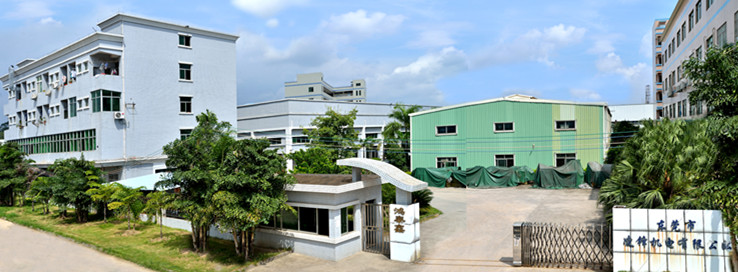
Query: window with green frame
{"points": [[84, 140], [103, 100], [72, 106]]}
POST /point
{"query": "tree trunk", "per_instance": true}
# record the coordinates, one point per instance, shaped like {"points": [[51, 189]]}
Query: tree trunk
{"points": [[128, 215], [195, 237], [236, 241], [105, 213], [161, 225], [250, 241], [244, 248]]}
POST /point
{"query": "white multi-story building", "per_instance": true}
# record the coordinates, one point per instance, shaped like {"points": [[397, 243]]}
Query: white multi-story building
{"points": [[313, 87], [118, 95], [658, 66], [693, 27]]}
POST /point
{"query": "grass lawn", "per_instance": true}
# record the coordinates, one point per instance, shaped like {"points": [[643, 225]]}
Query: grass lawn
{"points": [[173, 253], [427, 213]]}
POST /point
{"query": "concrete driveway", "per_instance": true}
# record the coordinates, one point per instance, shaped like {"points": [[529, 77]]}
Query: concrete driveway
{"points": [[24, 249], [473, 234]]}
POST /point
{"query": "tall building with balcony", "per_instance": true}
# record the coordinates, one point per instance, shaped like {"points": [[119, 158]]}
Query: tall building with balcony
{"points": [[118, 95], [658, 66], [313, 87], [693, 27]]}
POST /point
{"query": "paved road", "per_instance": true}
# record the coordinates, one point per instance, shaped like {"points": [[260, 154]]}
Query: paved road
{"points": [[473, 234], [24, 249]]}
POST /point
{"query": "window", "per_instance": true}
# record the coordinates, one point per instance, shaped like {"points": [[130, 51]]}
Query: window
{"points": [[709, 43], [300, 140], [184, 133], [446, 130], [275, 141], [506, 160], [698, 11], [505, 127], [563, 158], [698, 53], [679, 38], [76, 141], [184, 40], [310, 220], [65, 108], [566, 125], [83, 103], [722, 35], [32, 116], [708, 4], [684, 31], [185, 71], [442, 162], [311, 89], [347, 219], [691, 20], [72, 107], [699, 107], [358, 84], [684, 107], [679, 108], [185, 104], [103, 100]]}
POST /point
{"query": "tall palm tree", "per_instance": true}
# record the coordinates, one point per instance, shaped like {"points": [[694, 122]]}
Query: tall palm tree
{"points": [[397, 136]]}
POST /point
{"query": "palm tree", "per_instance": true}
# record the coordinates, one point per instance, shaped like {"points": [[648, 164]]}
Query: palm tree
{"points": [[103, 193], [397, 136], [129, 200], [156, 202]]}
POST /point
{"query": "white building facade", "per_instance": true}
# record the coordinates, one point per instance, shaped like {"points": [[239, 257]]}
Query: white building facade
{"points": [[117, 96], [693, 27], [313, 87], [633, 113]]}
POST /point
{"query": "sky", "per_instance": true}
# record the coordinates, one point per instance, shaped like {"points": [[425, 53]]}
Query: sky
{"points": [[413, 51]]}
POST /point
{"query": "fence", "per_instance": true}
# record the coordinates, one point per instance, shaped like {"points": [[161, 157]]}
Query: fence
{"points": [[564, 246]]}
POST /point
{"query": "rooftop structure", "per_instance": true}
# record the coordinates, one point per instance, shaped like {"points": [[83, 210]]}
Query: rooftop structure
{"points": [[313, 87]]}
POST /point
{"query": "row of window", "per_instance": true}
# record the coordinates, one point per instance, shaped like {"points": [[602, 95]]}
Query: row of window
{"points": [[507, 127], [306, 139], [312, 220], [102, 100], [504, 160], [679, 109], [76, 141]]}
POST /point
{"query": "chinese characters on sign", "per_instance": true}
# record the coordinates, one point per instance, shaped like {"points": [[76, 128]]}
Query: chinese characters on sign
{"points": [[642, 241], [399, 228]]}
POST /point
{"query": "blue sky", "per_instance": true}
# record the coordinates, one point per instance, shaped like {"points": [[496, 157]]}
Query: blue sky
{"points": [[414, 51]]}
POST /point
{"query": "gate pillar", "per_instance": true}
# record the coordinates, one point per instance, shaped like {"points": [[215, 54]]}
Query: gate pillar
{"points": [[404, 232]]}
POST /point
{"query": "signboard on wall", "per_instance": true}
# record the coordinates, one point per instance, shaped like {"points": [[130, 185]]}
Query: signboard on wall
{"points": [[670, 240]]}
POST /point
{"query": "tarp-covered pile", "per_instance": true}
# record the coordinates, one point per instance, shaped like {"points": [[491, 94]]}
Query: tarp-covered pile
{"points": [[476, 177], [597, 173], [570, 175]]}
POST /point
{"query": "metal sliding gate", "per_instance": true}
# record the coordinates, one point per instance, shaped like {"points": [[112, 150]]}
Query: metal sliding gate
{"points": [[566, 246], [375, 228]]}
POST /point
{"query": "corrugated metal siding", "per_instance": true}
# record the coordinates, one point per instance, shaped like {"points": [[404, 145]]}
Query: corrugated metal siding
{"points": [[534, 140]]}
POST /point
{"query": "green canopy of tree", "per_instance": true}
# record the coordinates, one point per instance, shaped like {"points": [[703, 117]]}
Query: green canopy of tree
{"points": [[333, 138], [13, 169], [397, 136], [41, 190], [621, 132], [102, 193], [156, 203], [316, 160], [128, 201], [715, 80], [70, 184]]}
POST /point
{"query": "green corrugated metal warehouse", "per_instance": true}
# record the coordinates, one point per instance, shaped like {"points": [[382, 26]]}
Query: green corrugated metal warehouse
{"points": [[513, 130]]}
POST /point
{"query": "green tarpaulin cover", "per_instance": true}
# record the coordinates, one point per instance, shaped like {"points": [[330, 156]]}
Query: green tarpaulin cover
{"points": [[570, 175], [435, 177], [597, 173], [476, 177]]}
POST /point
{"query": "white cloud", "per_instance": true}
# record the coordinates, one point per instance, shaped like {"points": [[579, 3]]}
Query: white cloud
{"points": [[601, 46], [49, 20], [583, 94], [432, 38], [646, 49], [265, 8], [637, 76], [534, 45], [273, 22], [359, 23], [29, 10]]}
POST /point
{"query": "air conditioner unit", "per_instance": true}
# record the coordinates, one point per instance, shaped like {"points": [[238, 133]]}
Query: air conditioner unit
{"points": [[55, 85], [34, 96], [119, 115]]}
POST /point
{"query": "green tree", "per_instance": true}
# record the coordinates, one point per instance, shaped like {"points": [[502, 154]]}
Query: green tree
{"points": [[3, 128], [250, 182], [103, 194], [41, 190], [128, 201], [621, 132], [397, 136], [156, 202], [715, 80], [333, 138], [196, 160], [660, 166], [71, 181], [13, 169]]}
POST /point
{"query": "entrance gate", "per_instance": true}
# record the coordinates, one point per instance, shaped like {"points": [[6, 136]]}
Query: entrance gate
{"points": [[564, 246], [375, 228]]}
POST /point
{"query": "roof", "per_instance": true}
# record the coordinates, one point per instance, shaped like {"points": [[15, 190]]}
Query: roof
{"points": [[147, 181], [329, 179], [389, 173], [514, 98], [146, 21]]}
